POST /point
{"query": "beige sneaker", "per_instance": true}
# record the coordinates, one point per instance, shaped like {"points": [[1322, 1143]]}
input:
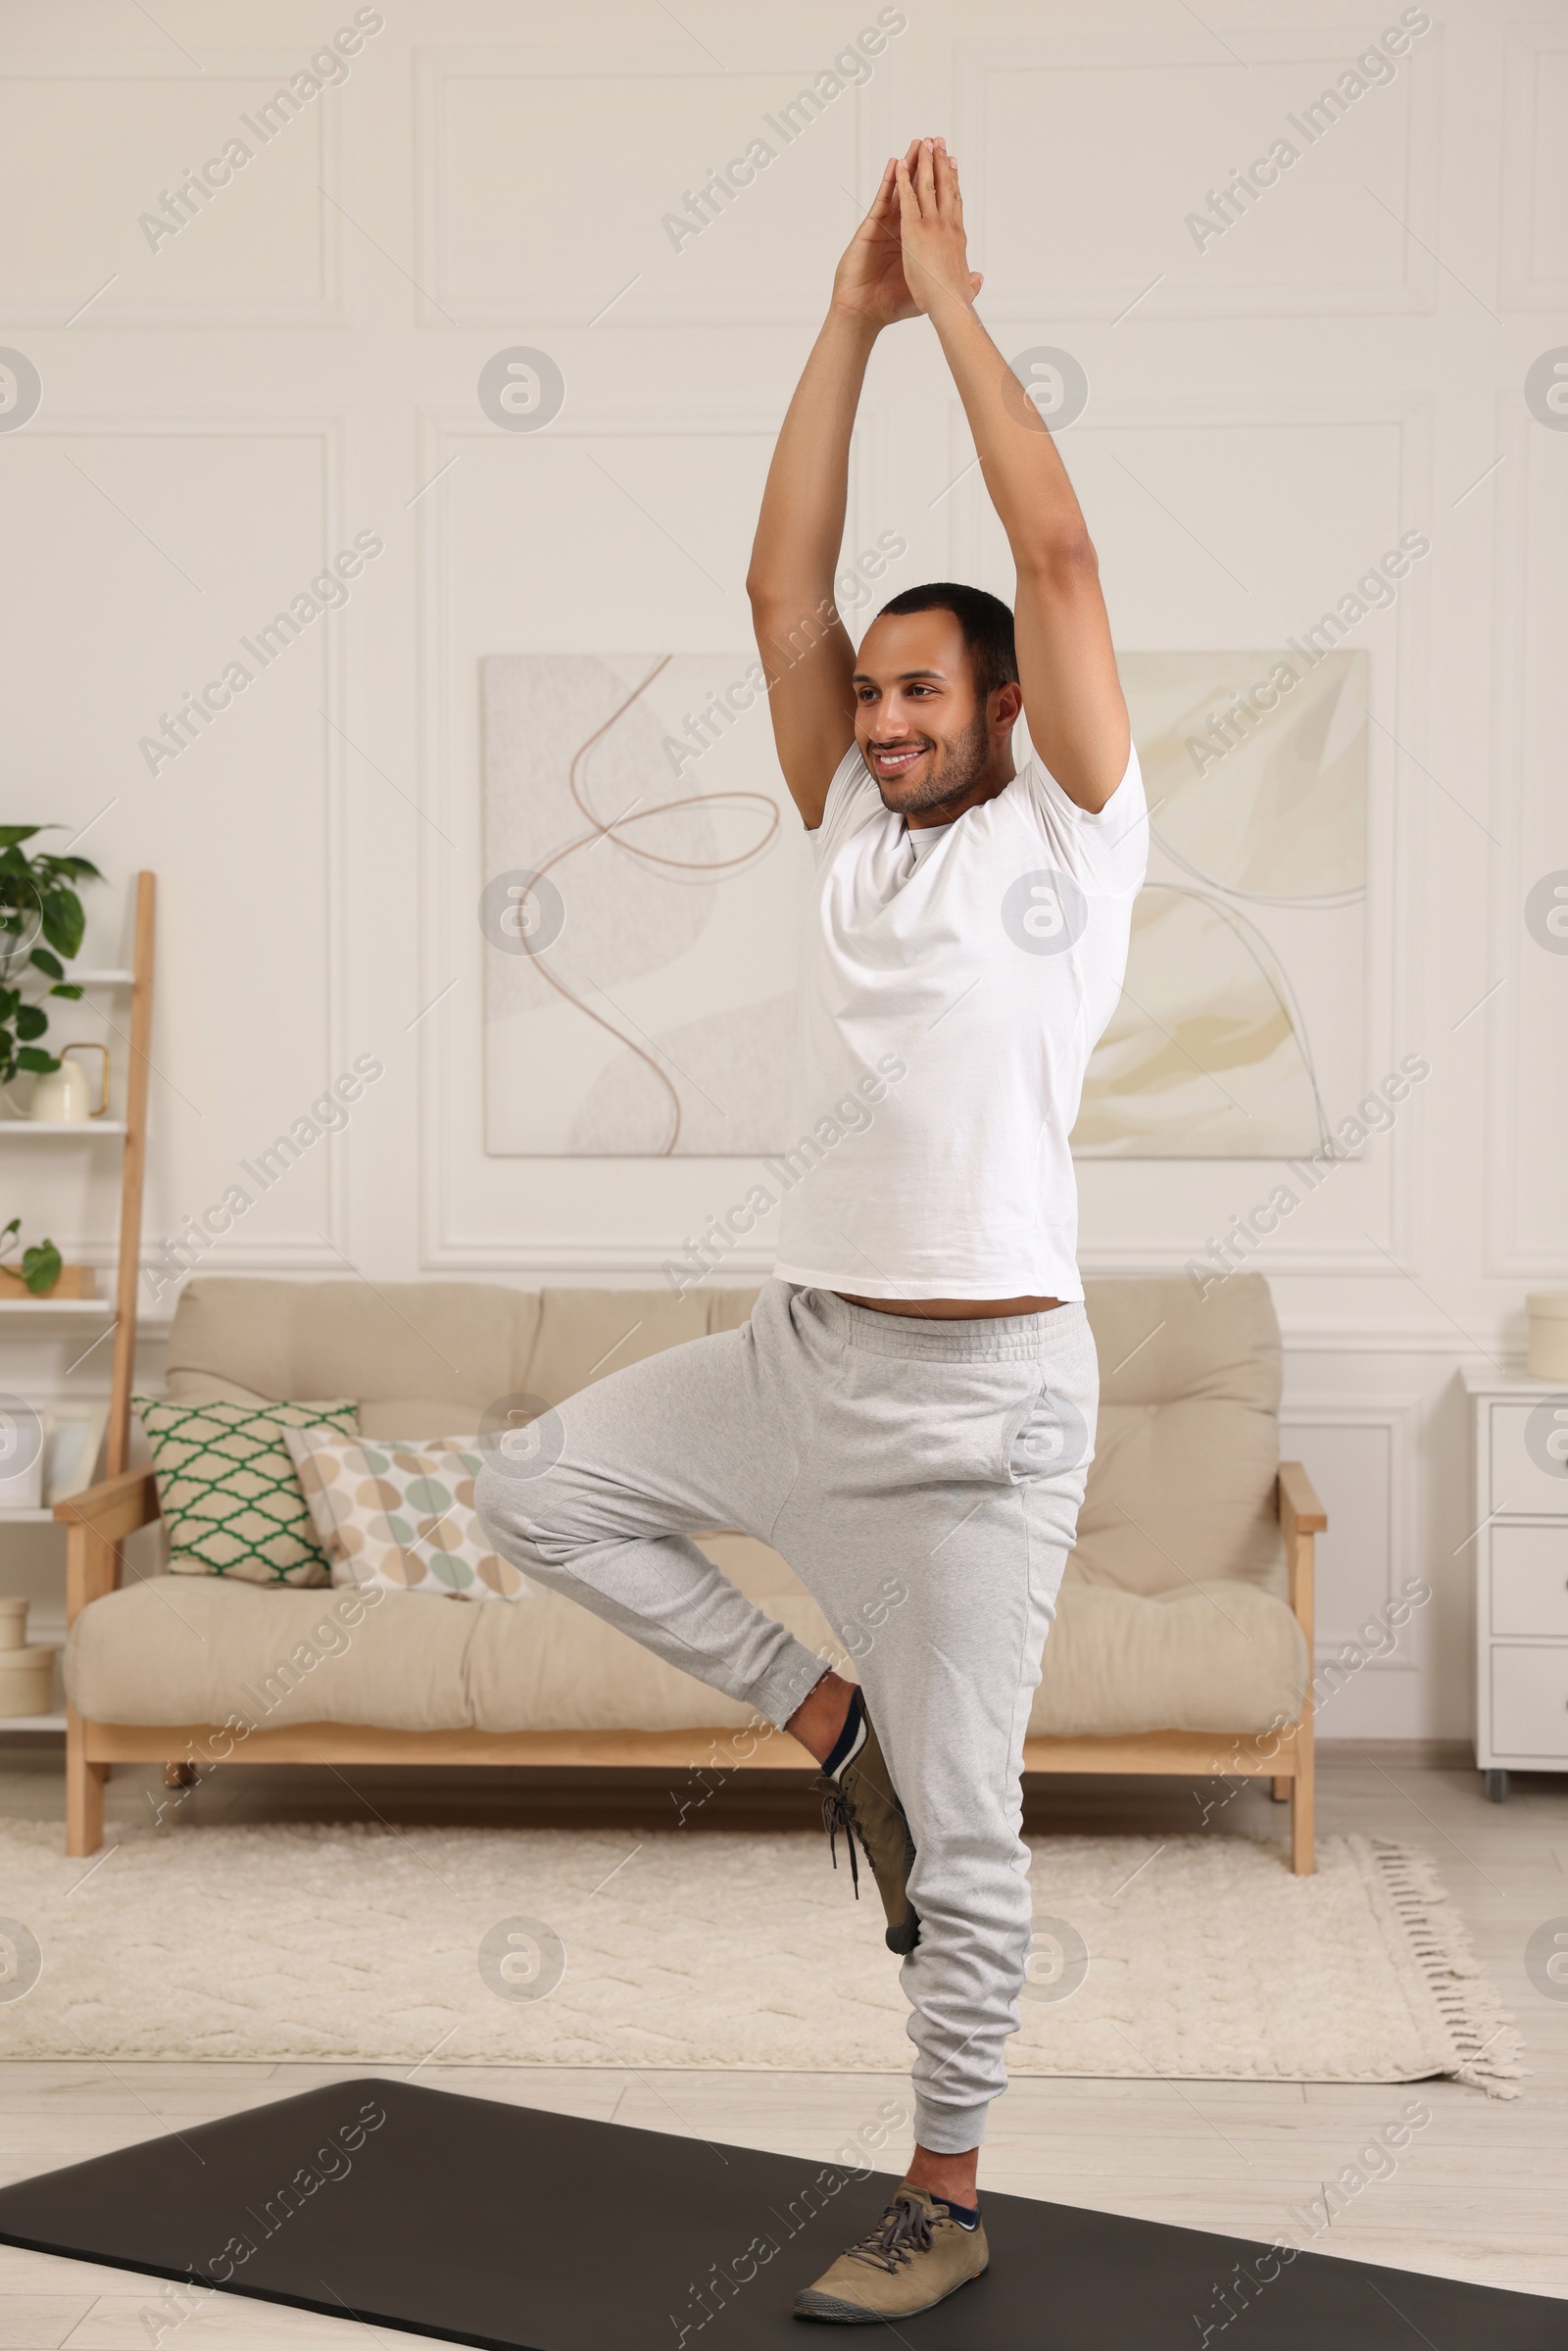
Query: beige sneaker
{"points": [[861, 1799], [915, 2256]]}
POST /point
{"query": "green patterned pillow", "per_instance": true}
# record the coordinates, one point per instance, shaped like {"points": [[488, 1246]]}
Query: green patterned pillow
{"points": [[228, 1492]]}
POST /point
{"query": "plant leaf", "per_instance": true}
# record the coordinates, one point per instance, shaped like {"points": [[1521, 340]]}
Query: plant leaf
{"points": [[42, 961], [63, 921], [41, 1267], [32, 1057], [30, 1021], [66, 988]]}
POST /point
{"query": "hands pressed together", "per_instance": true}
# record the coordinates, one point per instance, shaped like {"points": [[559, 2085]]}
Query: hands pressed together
{"points": [[908, 254], [910, 258]]}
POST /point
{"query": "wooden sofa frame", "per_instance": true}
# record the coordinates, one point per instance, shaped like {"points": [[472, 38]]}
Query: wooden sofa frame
{"points": [[99, 1521]]}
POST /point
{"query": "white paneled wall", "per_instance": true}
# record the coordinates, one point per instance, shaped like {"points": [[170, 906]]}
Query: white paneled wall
{"points": [[1274, 399]]}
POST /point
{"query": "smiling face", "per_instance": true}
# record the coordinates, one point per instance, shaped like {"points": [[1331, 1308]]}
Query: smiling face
{"points": [[921, 729]]}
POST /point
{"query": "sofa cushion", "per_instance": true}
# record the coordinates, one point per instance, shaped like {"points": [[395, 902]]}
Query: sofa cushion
{"points": [[156, 1651], [426, 1356], [1217, 1655], [1180, 1487], [1221, 1657], [422, 1357], [584, 1335]]}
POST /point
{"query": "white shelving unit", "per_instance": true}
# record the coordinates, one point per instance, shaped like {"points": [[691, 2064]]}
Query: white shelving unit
{"points": [[37, 1309], [119, 1313]]}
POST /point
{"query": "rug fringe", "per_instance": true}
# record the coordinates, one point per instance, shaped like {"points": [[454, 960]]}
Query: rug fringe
{"points": [[1486, 2038]]}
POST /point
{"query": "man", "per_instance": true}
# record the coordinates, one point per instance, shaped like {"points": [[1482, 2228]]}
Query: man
{"points": [[909, 1414]]}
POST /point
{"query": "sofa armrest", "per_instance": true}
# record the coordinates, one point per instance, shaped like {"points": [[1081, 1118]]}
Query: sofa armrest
{"points": [[1300, 1511], [1302, 1517], [117, 1506], [96, 1522]]}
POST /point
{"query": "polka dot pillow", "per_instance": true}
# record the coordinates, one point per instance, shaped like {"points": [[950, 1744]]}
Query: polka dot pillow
{"points": [[400, 1515]]}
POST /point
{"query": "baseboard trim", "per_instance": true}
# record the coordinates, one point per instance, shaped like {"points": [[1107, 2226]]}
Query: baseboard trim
{"points": [[1430, 1754]]}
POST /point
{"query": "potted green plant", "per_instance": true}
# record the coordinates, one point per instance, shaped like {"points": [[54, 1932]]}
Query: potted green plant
{"points": [[37, 903], [40, 1266]]}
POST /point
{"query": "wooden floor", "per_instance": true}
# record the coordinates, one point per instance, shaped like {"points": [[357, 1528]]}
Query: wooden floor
{"points": [[1480, 2193]]}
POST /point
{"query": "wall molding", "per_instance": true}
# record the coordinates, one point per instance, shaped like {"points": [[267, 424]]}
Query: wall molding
{"points": [[282, 1253], [1323, 48], [267, 68], [1399, 1415], [1505, 1255], [435, 68], [1527, 45], [1411, 1754]]}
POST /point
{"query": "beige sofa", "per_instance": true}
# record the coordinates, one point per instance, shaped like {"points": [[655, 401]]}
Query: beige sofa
{"points": [[1182, 1645]]}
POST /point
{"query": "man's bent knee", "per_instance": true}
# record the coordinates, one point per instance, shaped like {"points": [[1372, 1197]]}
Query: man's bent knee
{"points": [[526, 1519]]}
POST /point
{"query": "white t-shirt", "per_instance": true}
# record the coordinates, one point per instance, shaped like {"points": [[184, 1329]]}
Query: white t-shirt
{"points": [[954, 982]]}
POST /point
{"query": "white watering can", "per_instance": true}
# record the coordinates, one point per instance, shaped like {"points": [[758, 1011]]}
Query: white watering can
{"points": [[62, 1097]]}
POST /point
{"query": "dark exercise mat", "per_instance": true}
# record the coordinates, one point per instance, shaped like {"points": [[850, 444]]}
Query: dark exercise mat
{"points": [[505, 2226]]}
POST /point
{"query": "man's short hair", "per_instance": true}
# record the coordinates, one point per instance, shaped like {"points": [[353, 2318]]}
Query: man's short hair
{"points": [[985, 622]]}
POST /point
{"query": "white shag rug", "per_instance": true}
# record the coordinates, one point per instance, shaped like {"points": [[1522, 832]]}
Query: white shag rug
{"points": [[1206, 1958]]}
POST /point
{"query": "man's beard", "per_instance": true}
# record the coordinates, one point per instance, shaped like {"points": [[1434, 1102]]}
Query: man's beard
{"points": [[949, 771]]}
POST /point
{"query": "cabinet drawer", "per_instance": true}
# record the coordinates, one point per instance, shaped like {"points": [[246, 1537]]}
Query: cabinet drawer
{"points": [[1530, 1456], [1529, 1701], [1530, 1581]]}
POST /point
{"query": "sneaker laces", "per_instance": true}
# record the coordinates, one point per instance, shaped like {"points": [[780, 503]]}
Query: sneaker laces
{"points": [[903, 2231], [837, 1813]]}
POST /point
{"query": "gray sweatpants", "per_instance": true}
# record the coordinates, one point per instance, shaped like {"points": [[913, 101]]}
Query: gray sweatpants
{"points": [[922, 1478]]}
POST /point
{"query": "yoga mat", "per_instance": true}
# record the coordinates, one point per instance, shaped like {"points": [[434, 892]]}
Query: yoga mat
{"points": [[503, 2227]]}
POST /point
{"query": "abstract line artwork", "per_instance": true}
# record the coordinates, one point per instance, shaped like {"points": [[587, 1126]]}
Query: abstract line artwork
{"points": [[1240, 1030], [652, 1015], [644, 793]]}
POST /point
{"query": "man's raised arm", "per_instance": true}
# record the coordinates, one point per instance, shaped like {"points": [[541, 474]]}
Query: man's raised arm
{"points": [[806, 651], [1072, 698]]}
